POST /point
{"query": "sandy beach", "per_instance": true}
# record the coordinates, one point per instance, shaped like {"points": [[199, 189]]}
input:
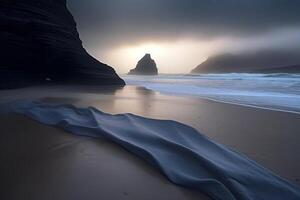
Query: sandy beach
{"points": [[41, 162], [149, 100]]}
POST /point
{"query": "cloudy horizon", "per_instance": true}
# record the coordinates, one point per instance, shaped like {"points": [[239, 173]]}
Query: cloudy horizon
{"points": [[182, 34]]}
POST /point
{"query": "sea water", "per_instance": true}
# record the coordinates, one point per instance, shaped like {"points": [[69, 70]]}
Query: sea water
{"points": [[278, 91]]}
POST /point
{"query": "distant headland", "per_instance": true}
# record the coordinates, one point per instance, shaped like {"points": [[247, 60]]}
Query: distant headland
{"points": [[267, 61]]}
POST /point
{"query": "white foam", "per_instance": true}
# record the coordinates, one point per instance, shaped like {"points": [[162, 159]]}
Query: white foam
{"points": [[269, 91]]}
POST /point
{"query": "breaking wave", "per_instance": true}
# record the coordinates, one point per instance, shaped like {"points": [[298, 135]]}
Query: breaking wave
{"points": [[270, 91]]}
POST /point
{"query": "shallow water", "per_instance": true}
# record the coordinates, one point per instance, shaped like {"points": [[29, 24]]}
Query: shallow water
{"points": [[270, 91]]}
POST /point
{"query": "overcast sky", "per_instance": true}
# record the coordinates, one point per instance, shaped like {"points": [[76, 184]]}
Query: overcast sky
{"points": [[181, 34]]}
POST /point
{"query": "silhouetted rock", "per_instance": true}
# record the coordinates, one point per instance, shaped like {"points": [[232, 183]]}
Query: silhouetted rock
{"points": [[40, 43], [146, 66], [262, 60]]}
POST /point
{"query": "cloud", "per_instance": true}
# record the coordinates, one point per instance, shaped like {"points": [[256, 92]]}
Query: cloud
{"points": [[119, 32], [103, 22]]}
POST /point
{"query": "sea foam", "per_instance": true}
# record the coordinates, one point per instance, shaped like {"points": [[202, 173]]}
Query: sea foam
{"points": [[270, 91]]}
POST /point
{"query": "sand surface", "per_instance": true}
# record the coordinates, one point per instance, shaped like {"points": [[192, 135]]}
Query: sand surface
{"points": [[62, 166], [40, 162]]}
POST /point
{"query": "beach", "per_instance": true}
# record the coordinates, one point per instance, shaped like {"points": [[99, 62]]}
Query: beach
{"points": [[59, 165], [143, 100]]}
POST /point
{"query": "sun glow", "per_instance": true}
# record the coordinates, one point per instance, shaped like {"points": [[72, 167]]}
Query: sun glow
{"points": [[140, 50], [175, 57]]}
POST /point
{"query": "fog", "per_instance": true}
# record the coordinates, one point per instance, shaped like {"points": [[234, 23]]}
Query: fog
{"points": [[182, 34]]}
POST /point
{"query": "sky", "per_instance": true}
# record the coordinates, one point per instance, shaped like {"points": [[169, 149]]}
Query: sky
{"points": [[181, 34]]}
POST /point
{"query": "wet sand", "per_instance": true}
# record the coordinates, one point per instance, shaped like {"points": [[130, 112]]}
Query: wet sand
{"points": [[41, 162], [69, 167]]}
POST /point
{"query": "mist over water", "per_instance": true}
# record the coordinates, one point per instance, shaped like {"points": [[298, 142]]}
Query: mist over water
{"points": [[270, 91]]}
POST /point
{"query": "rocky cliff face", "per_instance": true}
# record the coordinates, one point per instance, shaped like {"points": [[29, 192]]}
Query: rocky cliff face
{"points": [[146, 66], [40, 42], [262, 60]]}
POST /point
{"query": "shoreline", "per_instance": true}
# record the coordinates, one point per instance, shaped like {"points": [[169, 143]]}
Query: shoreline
{"points": [[225, 102], [252, 106], [276, 92], [162, 93]]}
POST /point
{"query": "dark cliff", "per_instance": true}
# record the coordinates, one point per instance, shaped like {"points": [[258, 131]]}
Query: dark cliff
{"points": [[40, 42], [251, 62], [146, 66]]}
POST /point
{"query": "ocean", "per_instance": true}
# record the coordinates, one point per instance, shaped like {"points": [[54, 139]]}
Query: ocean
{"points": [[268, 91]]}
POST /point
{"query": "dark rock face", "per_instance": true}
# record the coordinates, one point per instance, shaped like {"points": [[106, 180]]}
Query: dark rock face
{"points": [[247, 63], [40, 42], [146, 66]]}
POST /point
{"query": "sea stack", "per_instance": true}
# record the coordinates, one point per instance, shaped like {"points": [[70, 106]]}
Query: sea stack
{"points": [[146, 66], [40, 44]]}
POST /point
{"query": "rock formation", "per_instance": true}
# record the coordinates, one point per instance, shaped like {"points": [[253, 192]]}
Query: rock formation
{"points": [[40, 43], [250, 62], [146, 66]]}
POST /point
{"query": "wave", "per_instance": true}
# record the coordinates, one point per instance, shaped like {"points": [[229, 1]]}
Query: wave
{"points": [[271, 91], [225, 76], [184, 155], [246, 75]]}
